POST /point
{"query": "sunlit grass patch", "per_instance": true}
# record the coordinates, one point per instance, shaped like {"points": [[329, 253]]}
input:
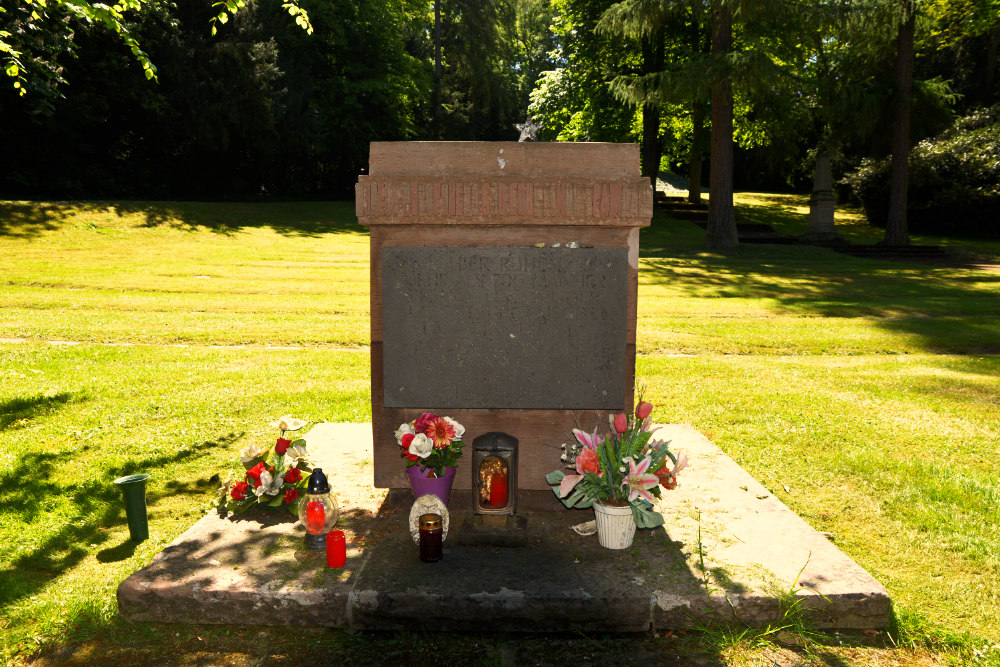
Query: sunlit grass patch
{"points": [[868, 388]]}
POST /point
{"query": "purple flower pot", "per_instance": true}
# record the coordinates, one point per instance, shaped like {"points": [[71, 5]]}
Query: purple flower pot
{"points": [[421, 485]]}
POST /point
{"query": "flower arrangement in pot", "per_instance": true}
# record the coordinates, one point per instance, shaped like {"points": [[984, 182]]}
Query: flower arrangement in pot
{"points": [[271, 477], [619, 475], [431, 447]]}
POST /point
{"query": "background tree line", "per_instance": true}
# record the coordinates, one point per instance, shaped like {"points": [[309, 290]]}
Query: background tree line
{"points": [[264, 108]]}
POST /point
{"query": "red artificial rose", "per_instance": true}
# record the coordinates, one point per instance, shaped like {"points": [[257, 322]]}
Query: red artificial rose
{"points": [[643, 409], [282, 446], [412, 457], [405, 441], [621, 423], [425, 421], [667, 478], [254, 473], [239, 490], [293, 475], [586, 461], [290, 496]]}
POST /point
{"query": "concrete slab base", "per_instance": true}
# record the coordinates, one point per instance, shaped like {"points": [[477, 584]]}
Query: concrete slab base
{"points": [[729, 551]]}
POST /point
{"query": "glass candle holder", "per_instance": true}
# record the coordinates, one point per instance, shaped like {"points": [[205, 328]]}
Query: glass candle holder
{"points": [[318, 511], [431, 542]]}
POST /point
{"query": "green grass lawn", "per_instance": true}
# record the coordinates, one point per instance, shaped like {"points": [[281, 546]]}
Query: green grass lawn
{"points": [[165, 337]]}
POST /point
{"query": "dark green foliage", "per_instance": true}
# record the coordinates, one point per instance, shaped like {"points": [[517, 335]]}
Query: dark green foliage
{"points": [[954, 182], [255, 106]]}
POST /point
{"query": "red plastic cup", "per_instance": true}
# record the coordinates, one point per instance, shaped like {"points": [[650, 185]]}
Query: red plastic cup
{"points": [[336, 549]]}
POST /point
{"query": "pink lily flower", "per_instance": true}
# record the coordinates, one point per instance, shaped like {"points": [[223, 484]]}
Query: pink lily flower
{"points": [[639, 481], [588, 440]]}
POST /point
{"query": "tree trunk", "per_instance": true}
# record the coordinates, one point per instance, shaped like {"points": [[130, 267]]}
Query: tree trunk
{"points": [[896, 233], [652, 61], [436, 91], [991, 67], [694, 157], [722, 233]]}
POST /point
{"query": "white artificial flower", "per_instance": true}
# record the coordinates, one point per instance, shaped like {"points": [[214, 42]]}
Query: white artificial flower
{"points": [[459, 429], [251, 452], [289, 423], [403, 429], [421, 445], [296, 453], [269, 484]]}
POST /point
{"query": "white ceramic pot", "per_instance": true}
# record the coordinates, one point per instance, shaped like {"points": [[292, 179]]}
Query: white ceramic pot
{"points": [[615, 525]]}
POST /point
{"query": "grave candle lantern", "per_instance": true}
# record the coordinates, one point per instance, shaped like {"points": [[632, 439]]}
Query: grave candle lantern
{"points": [[318, 510], [494, 473]]}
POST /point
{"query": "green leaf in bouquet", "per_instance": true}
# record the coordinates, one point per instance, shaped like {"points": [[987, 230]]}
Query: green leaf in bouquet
{"points": [[644, 515], [555, 477], [579, 500]]}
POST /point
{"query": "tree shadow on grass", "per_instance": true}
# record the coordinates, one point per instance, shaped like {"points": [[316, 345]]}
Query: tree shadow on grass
{"points": [[303, 219], [21, 410], [940, 309], [95, 505]]}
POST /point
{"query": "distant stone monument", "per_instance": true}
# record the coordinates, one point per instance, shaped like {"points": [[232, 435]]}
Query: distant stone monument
{"points": [[821, 205], [503, 291]]}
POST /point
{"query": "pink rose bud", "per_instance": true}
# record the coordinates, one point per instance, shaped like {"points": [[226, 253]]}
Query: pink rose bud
{"points": [[621, 422], [643, 409]]}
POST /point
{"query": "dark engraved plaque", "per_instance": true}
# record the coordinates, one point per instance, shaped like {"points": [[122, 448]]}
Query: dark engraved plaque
{"points": [[516, 328]]}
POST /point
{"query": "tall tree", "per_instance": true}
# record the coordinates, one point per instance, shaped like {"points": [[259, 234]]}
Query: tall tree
{"points": [[896, 233], [722, 234], [652, 61], [573, 100]]}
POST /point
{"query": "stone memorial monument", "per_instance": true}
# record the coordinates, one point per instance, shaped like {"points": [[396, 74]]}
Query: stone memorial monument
{"points": [[821, 205], [503, 291]]}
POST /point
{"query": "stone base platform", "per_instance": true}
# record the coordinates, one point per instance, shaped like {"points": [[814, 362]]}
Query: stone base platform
{"points": [[730, 551]]}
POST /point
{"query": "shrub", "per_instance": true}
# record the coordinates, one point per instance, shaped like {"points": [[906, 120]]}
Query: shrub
{"points": [[954, 180]]}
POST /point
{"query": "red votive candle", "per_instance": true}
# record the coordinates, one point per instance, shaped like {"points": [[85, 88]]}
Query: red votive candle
{"points": [[315, 517], [498, 490], [336, 549]]}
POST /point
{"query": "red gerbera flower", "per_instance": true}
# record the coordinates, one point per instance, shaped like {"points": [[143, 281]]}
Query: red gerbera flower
{"points": [[441, 432]]}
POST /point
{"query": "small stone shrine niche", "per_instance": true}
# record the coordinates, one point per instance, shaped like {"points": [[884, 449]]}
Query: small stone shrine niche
{"points": [[503, 294], [494, 474]]}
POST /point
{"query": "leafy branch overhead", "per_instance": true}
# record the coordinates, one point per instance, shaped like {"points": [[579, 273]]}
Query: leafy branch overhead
{"points": [[38, 19]]}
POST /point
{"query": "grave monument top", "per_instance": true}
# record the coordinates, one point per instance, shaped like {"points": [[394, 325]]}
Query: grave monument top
{"points": [[503, 290]]}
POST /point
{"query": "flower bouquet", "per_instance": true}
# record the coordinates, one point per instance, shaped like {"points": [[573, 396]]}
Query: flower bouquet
{"points": [[271, 477], [626, 467], [431, 442]]}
